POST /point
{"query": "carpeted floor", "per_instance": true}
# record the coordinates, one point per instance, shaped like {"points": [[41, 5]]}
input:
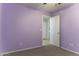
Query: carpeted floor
{"points": [[43, 51]]}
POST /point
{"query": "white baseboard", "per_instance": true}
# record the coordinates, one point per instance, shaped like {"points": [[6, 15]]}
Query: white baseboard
{"points": [[70, 50], [1, 54]]}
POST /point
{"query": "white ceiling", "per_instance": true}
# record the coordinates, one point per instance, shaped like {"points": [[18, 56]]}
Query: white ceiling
{"points": [[49, 7]]}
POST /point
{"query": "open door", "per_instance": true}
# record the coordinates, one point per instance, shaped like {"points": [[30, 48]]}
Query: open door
{"points": [[55, 31]]}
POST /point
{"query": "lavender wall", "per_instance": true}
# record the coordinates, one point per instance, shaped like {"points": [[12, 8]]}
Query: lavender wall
{"points": [[20, 27], [0, 27], [70, 28]]}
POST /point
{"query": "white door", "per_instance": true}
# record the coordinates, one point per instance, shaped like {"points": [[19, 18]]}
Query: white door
{"points": [[54, 31]]}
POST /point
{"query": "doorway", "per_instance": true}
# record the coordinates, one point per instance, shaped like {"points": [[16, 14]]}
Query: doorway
{"points": [[45, 30], [51, 30]]}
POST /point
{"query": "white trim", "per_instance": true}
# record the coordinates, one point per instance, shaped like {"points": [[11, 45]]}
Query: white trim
{"points": [[70, 50], [1, 54], [42, 29]]}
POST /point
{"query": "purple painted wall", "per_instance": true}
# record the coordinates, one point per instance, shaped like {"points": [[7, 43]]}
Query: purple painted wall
{"points": [[0, 27], [70, 28], [20, 27]]}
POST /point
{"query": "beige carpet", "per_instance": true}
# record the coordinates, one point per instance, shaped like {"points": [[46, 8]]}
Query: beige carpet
{"points": [[43, 51]]}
